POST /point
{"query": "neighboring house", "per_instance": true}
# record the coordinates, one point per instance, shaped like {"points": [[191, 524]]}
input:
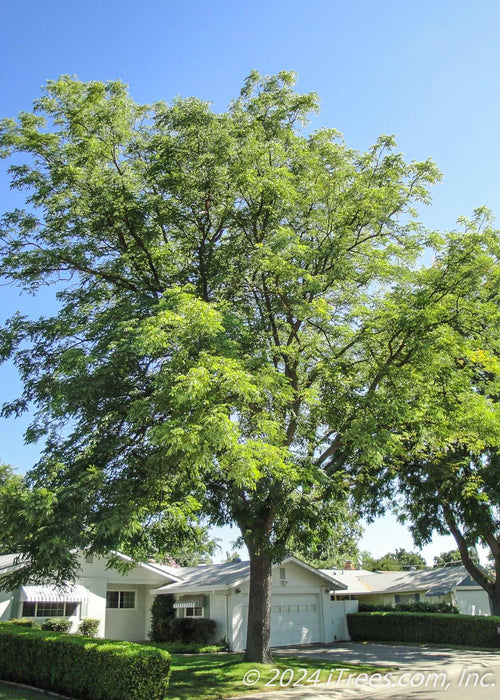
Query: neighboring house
{"points": [[451, 584], [302, 611]]}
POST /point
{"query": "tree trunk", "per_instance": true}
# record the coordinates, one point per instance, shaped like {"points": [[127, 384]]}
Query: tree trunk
{"points": [[494, 605], [494, 593], [259, 609]]}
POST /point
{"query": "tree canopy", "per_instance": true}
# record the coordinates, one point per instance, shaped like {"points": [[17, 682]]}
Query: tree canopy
{"points": [[448, 558], [446, 470], [399, 560], [240, 314]]}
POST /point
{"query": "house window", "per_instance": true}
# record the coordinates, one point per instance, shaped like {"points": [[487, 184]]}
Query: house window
{"points": [[282, 574], [46, 609], [193, 612], [408, 598], [122, 600]]}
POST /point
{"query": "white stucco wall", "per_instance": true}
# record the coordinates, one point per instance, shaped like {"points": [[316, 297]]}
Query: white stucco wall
{"points": [[6, 605], [300, 586], [114, 624], [472, 601], [336, 621]]}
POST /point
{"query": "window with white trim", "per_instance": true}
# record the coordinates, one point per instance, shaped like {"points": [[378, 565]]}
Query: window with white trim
{"points": [[195, 611], [43, 608], [120, 600]]}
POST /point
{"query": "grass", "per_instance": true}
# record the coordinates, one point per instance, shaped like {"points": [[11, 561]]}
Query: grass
{"points": [[214, 676], [10, 692]]}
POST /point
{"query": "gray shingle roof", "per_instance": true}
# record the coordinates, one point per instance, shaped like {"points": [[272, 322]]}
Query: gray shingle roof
{"points": [[430, 581], [226, 575]]}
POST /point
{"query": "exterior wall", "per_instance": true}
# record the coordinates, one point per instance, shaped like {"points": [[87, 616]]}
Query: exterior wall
{"points": [[132, 625], [95, 606], [6, 606], [219, 604], [472, 601], [299, 586], [127, 623], [405, 597], [336, 621]]}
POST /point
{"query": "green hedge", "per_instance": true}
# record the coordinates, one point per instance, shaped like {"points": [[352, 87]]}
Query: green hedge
{"points": [[414, 606], [469, 630], [91, 669]]}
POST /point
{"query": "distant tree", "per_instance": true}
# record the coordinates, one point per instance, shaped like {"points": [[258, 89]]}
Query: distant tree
{"points": [[198, 548], [232, 557], [454, 557], [400, 560], [333, 541], [10, 482], [446, 558]]}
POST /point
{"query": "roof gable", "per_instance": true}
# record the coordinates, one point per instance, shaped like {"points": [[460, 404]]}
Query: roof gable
{"points": [[233, 574]]}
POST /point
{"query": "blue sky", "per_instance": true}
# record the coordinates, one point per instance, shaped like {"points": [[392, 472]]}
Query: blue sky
{"points": [[427, 71]]}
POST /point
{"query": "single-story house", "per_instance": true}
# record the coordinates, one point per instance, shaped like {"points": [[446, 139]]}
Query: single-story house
{"points": [[302, 611], [120, 601], [450, 584]]}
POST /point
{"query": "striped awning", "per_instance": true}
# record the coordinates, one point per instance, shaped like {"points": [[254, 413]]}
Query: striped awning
{"points": [[195, 603], [69, 593]]}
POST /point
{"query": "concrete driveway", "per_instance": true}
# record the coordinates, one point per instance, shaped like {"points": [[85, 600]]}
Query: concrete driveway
{"points": [[399, 655], [423, 673]]}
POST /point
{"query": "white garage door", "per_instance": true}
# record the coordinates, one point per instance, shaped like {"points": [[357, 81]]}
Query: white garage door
{"points": [[295, 620]]}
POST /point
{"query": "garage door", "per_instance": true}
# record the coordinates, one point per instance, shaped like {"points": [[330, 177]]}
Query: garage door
{"points": [[295, 620]]}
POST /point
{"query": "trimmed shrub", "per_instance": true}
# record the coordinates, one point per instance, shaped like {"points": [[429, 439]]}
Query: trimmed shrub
{"points": [[180, 648], [189, 630], [22, 622], [162, 614], [90, 669], [88, 627], [416, 606], [56, 624], [469, 630]]}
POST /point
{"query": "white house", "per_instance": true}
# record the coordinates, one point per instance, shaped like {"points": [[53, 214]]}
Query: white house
{"points": [[302, 609], [121, 602], [450, 584]]}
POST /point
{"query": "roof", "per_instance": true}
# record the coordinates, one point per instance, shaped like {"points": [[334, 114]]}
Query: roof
{"points": [[162, 569], [432, 582], [230, 575], [8, 561]]}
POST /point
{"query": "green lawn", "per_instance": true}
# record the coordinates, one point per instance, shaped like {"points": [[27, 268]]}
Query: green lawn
{"points": [[213, 676]]}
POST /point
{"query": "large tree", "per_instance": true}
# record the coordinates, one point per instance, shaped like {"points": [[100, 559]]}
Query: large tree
{"points": [[213, 349], [446, 469]]}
